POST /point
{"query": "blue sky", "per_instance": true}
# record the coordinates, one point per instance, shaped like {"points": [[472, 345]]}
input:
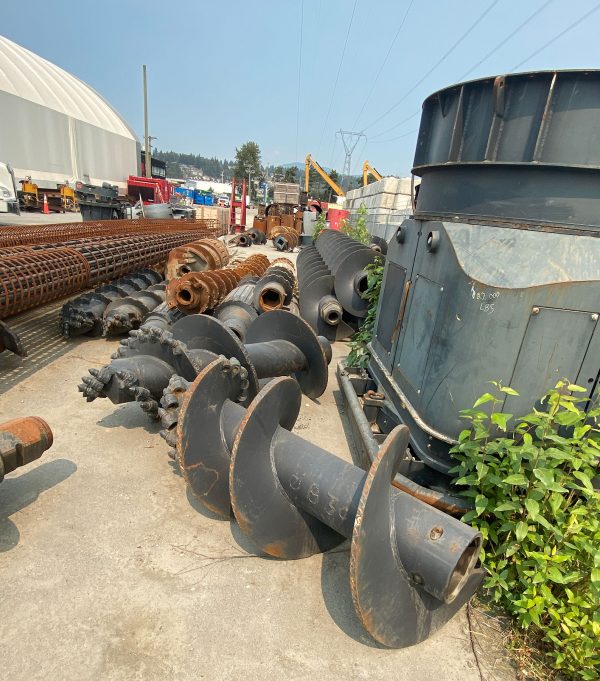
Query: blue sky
{"points": [[224, 73]]}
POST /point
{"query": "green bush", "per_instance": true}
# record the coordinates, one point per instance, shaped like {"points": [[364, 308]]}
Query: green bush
{"points": [[320, 225], [359, 352], [359, 231], [539, 514]]}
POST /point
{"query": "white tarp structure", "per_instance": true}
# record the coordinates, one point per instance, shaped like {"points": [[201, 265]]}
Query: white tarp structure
{"points": [[54, 127]]}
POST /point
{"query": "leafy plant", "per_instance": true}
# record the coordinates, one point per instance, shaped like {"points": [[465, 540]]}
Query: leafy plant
{"points": [[320, 225], [539, 513], [359, 352], [359, 230]]}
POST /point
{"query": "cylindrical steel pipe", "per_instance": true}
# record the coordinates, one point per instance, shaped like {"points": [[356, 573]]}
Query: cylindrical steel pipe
{"points": [[22, 441]]}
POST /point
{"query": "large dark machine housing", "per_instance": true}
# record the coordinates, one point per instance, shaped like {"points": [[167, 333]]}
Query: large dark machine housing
{"points": [[496, 276]]}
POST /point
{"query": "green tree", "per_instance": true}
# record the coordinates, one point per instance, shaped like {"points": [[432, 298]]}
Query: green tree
{"points": [[278, 173], [291, 174], [247, 161], [247, 164]]}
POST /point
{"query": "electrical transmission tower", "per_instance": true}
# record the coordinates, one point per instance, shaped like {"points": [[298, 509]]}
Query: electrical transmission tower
{"points": [[349, 140]]}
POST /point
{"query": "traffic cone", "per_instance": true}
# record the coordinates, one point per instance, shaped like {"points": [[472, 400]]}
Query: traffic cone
{"points": [[45, 209]]}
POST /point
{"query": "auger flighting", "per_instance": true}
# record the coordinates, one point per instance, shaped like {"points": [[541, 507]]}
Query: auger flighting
{"points": [[412, 567]]}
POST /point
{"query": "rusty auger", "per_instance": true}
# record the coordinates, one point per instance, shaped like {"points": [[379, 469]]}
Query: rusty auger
{"points": [[22, 441], [412, 567]]}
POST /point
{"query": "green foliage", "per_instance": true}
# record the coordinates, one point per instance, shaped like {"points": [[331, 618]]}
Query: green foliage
{"points": [[359, 352], [539, 514], [291, 174], [212, 167], [247, 165], [359, 230], [320, 225]]}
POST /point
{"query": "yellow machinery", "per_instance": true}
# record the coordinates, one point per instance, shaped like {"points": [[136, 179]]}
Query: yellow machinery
{"points": [[28, 194], [369, 170], [311, 162], [68, 200], [60, 200]]}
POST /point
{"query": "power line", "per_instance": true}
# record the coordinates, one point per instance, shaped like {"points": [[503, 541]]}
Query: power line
{"points": [[505, 40], [556, 37], [383, 63], [489, 54], [402, 122], [299, 75], [393, 139], [432, 69], [337, 76]]}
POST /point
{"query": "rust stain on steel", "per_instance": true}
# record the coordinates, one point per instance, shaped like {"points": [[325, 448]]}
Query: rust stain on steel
{"points": [[22, 441], [431, 498], [197, 256], [196, 292], [57, 233], [30, 279]]}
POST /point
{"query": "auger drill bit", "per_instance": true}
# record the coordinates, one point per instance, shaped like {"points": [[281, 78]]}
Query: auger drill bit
{"points": [[279, 343], [197, 292], [162, 317], [284, 238], [347, 260], [412, 567], [276, 344], [197, 256], [317, 302], [257, 236], [274, 290], [142, 367], [84, 314], [22, 441], [237, 310], [125, 314], [10, 340]]}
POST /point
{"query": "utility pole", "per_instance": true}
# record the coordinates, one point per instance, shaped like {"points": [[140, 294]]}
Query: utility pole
{"points": [[349, 140], [147, 159]]}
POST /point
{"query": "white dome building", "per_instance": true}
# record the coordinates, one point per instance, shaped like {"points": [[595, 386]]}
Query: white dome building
{"points": [[54, 127]]}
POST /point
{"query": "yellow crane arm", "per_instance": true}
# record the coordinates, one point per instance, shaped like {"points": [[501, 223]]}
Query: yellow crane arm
{"points": [[311, 162], [368, 168]]}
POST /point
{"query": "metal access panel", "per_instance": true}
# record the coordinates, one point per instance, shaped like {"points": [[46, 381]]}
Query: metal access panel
{"points": [[416, 335], [547, 355], [398, 273], [387, 329]]}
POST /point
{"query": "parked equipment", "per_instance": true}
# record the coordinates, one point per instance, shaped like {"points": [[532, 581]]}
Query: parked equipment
{"points": [[496, 277], [369, 170], [310, 162]]}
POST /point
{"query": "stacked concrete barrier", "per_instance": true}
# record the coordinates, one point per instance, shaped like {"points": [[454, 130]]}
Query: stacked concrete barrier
{"points": [[387, 201]]}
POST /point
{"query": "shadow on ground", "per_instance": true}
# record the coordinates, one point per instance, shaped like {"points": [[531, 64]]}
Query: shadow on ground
{"points": [[18, 492]]}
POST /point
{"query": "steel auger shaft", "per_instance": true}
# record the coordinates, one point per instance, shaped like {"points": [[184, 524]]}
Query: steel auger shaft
{"points": [[411, 567], [278, 344]]}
